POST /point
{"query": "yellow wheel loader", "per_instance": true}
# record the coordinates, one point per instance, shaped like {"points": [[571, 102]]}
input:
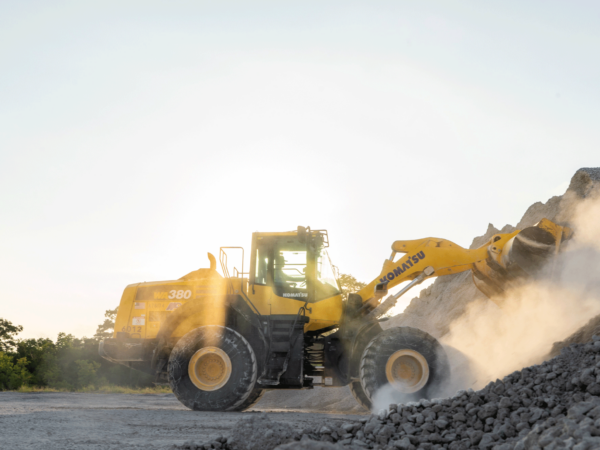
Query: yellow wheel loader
{"points": [[221, 341]]}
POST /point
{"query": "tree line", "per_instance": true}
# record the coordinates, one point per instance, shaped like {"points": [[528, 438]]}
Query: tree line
{"points": [[68, 363]]}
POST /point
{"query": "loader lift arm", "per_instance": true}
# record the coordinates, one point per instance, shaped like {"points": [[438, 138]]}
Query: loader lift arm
{"points": [[493, 264]]}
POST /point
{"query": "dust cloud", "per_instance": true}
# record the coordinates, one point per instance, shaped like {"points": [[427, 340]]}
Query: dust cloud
{"points": [[498, 341], [462, 374], [586, 222], [387, 395]]}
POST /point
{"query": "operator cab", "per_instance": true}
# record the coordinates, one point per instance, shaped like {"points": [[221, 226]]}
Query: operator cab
{"points": [[294, 264]]}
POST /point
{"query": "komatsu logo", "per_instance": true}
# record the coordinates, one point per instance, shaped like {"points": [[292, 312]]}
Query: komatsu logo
{"points": [[411, 261]]}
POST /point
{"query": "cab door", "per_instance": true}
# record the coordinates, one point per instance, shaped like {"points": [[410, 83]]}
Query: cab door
{"points": [[281, 262]]}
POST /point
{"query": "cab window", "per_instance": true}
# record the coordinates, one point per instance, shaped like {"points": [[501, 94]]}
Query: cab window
{"points": [[326, 283], [281, 263], [290, 266], [262, 265]]}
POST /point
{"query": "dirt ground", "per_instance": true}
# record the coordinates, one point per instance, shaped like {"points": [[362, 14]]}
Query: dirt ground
{"points": [[55, 421]]}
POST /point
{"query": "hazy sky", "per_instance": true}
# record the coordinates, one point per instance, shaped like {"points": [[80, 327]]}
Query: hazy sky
{"points": [[137, 136]]}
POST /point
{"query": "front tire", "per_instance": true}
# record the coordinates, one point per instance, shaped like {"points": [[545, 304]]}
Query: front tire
{"points": [[213, 368], [359, 395], [410, 361]]}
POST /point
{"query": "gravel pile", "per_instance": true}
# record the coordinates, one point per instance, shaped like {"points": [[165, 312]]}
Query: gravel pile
{"points": [[550, 406], [583, 335]]}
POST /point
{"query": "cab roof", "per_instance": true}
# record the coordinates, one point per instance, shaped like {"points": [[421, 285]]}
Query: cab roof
{"points": [[275, 233]]}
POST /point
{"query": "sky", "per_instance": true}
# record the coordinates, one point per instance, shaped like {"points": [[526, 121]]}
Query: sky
{"points": [[136, 136]]}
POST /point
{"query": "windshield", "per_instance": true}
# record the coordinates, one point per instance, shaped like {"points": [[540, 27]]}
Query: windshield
{"points": [[294, 270], [290, 266], [325, 272]]}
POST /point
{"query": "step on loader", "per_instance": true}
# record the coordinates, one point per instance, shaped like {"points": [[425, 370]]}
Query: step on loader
{"points": [[221, 341]]}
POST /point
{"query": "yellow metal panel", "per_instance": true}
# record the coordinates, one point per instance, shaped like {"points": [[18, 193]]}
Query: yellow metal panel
{"points": [[145, 306], [212, 312], [559, 233], [152, 302], [124, 315], [324, 313]]}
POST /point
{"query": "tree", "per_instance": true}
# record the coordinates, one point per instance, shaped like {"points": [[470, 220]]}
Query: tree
{"points": [[7, 334], [12, 375], [35, 351], [86, 372], [349, 284], [105, 329]]}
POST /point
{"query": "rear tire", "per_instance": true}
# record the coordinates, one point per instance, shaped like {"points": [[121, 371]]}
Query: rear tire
{"points": [[213, 368], [409, 361]]}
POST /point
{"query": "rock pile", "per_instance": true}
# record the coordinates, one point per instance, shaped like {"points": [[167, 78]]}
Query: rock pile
{"points": [[550, 406], [583, 335]]}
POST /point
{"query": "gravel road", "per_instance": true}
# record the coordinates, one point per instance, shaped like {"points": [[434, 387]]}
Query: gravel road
{"points": [[53, 421]]}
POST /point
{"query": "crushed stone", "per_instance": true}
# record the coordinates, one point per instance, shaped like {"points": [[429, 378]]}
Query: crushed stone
{"points": [[253, 432], [308, 444], [260, 432], [584, 334], [319, 399]]}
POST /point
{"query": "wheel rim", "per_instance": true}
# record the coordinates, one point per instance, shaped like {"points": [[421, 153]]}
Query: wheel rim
{"points": [[209, 368], [407, 371]]}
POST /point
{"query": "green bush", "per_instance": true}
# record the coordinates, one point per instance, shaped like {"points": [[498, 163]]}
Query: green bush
{"points": [[86, 372], [13, 375], [36, 352]]}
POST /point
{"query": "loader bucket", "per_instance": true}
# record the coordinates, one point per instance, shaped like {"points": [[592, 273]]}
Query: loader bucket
{"points": [[528, 252], [522, 258]]}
